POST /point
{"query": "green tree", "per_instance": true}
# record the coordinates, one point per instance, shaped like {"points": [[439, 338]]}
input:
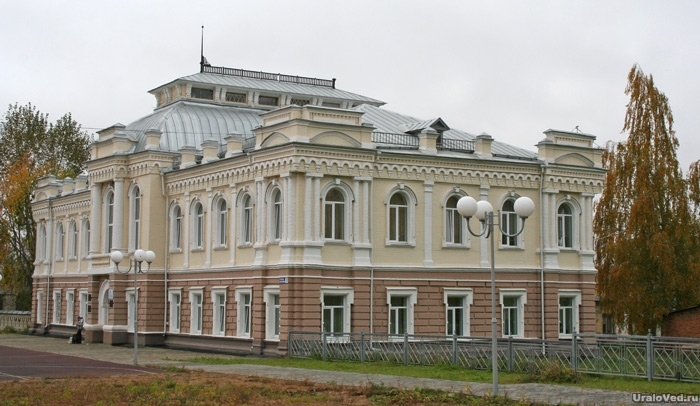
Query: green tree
{"points": [[30, 147], [646, 244]]}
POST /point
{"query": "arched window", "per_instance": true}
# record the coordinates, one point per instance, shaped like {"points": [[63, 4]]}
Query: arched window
{"points": [[109, 222], [276, 216], [176, 228], [134, 242], [198, 226], [221, 221], [565, 226], [509, 224], [398, 218], [41, 243], [454, 234], [60, 238], [334, 215], [85, 235], [247, 217], [72, 240]]}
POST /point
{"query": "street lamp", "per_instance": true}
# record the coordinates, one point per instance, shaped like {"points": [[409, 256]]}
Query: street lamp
{"points": [[139, 256], [467, 207]]}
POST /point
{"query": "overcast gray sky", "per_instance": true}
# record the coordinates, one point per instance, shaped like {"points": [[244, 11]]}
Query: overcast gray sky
{"points": [[512, 69]]}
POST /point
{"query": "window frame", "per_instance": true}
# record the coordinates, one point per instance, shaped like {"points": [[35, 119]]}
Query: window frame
{"points": [[244, 312], [273, 312], [348, 299], [39, 306], [42, 243], [70, 306], [566, 224], [276, 215], [393, 211], [175, 310], [467, 296], [411, 295], [85, 237], [84, 304], [338, 232], [219, 313], [176, 229], [450, 214], [196, 310], [60, 241], [134, 218], [575, 308], [521, 295], [197, 226], [131, 295], [509, 223], [56, 315], [221, 226], [72, 240], [247, 213], [108, 242]]}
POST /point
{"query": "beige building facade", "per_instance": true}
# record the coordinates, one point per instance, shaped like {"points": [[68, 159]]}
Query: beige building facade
{"points": [[280, 203]]}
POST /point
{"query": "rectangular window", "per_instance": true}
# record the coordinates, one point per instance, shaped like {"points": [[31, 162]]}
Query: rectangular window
{"points": [[219, 301], [272, 312], [131, 310], [509, 225], [457, 302], [268, 101], [196, 311], [39, 307], [83, 304], [568, 313], [512, 312], [565, 234], [175, 298], [300, 102], [401, 302], [244, 297], [199, 93], [453, 226], [56, 307], [70, 307], [333, 311]]}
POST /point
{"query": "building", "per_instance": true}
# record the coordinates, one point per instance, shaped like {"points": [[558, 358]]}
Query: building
{"points": [[682, 323], [280, 203]]}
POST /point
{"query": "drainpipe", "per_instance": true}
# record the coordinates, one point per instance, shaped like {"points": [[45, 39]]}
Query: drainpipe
{"points": [[48, 274], [543, 224], [166, 256]]}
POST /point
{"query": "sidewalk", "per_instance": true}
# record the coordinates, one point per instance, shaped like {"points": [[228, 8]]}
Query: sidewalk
{"points": [[154, 356]]}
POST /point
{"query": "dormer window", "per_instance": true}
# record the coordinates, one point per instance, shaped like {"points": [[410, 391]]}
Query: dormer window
{"points": [[236, 97], [268, 101], [199, 93], [331, 104]]}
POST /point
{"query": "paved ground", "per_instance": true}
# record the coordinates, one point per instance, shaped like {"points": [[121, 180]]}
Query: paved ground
{"points": [[152, 356]]}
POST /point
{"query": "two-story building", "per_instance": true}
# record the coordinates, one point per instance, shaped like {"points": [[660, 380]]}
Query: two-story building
{"points": [[280, 203]]}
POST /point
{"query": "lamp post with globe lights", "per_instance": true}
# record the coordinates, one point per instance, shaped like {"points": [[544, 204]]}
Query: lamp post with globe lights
{"points": [[135, 264], [468, 207]]}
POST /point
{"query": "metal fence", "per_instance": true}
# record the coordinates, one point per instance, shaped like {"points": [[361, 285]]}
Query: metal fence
{"points": [[654, 358]]}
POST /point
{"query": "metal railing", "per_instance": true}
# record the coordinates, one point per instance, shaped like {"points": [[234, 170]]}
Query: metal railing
{"points": [[394, 139], [456, 145], [221, 70], [654, 358]]}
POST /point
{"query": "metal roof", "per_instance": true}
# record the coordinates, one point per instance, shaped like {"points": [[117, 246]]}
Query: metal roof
{"points": [[276, 86]]}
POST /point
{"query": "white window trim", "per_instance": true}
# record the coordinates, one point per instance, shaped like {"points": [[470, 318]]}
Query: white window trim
{"points": [[193, 320], [56, 315], [522, 295], [175, 233], [60, 241], [348, 199], [70, 306], [272, 224], [269, 292], [174, 320], [135, 228], [39, 306], [412, 294], [246, 239], [130, 308], [240, 312], [466, 240], [221, 224], [468, 295], [411, 202], [83, 306], [85, 238], [73, 240], [576, 295], [349, 294], [575, 223], [108, 230], [218, 291], [195, 235]]}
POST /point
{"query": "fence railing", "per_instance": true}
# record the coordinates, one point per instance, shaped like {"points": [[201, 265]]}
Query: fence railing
{"points": [[221, 70], [654, 358], [15, 319]]}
